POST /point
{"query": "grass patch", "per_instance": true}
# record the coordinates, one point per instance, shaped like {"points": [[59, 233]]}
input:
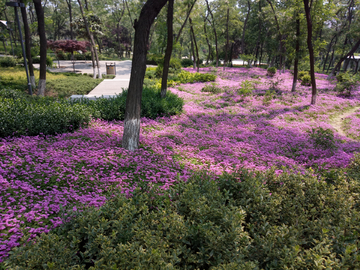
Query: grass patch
{"points": [[57, 84]]}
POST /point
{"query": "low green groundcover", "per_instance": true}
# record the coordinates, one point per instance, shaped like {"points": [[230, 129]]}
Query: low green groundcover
{"points": [[245, 220], [21, 114]]}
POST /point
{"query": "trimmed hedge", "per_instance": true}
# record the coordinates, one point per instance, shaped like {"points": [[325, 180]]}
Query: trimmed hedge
{"points": [[245, 220], [152, 105], [8, 62], [25, 115]]}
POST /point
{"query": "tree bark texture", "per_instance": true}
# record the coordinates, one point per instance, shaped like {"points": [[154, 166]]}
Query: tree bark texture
{"points": [[351, 52], [90, 35], [150, 10], [27, 45], [227, 38], [43, 46], [244, 29], [215, 33], [297, 50], [183, 25], [311, 51], [196, 46], [169, 47]]}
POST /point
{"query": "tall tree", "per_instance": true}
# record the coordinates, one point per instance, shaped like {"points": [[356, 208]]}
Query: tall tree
{"points": [[196, 46], [169, 47], [69, 4], [43, 46], [149, 11], [215, 32], [311, 51], [27, 44], [90, 35]]}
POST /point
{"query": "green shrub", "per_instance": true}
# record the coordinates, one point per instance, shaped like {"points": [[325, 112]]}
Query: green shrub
{"points": [[188, 77], [35, 50], [269, 95], [212, 88], [152, 105], [159, 71], [306, 80], [197, 230], [346, 83], [323, 138], [186, 62], [271, 71], [154, 59], [302, 73], [49, 60], [246, 88], [7, 62], [244, 220], [20, 115], [107, 76]]}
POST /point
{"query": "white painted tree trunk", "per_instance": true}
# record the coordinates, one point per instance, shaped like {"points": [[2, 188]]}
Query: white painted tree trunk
{"points": [[41, 87], [94, 73], [32, 81], [99, 72], [131, 134]]}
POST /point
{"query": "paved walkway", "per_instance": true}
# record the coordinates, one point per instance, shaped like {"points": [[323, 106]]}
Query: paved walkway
{"points": [[108, 87]]}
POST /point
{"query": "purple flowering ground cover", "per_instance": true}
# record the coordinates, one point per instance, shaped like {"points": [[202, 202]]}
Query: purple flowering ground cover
{"points": [[44, 179]]}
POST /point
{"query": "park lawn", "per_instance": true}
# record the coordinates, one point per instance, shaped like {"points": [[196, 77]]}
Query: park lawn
{"points": [[44, 179], [57, 84]]}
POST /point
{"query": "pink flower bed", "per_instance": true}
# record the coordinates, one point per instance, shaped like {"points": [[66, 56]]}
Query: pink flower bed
{"points": [[43, 179]]}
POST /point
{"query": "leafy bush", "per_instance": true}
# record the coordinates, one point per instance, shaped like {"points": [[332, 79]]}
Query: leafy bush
{"points": [[186, 62], [302, 73], [244, 220], [49, 60], [188, 77], [152, 105], [271, 71], [323, 138], [7, 62], [269, 95], [212, 88], [108, 76], [35, 50], [306, 80], [246, 88], [21, 115], [346, 83], [154, 59]]}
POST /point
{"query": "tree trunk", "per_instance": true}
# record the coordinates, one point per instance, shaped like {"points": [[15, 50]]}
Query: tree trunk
{"points": [[338, 65], [311, 51], [227, 38], [328, 52], [90, 35], [187, 17], [70, 17], [27, 45], [169, 46], [150, 10], [43, 46], [297, 50], [93, 60], [196, 46], [207, 41], [4, 46], [244, 28], [192, 51], [215, 33]]}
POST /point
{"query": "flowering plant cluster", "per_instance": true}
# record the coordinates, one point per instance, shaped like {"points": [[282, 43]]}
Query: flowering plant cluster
{"points": [[43, 179]]}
